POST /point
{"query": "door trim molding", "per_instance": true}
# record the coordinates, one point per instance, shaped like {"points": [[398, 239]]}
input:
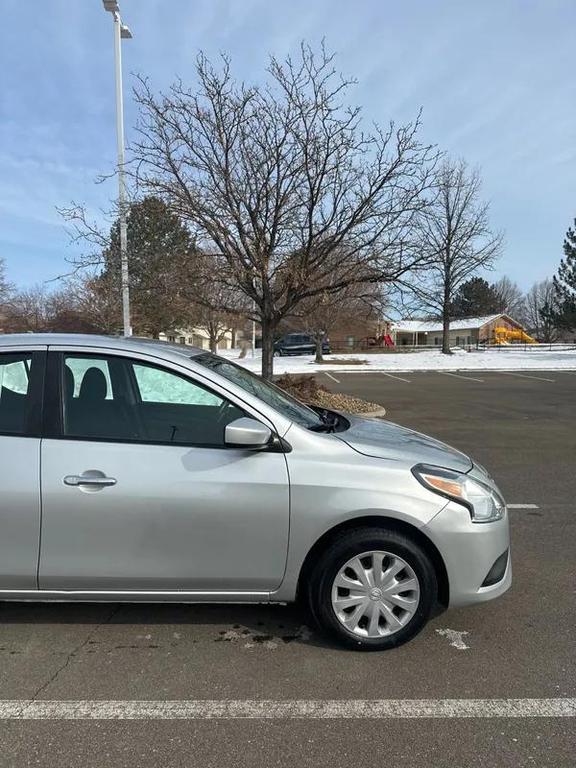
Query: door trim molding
{"points": [[132, 596]]}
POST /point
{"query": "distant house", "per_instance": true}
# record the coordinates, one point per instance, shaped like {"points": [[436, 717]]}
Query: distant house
{"points": [[465, 332], [196, 337]]}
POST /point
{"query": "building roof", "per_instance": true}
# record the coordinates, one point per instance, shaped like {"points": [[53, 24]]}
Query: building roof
{"points": [[424, 326]]}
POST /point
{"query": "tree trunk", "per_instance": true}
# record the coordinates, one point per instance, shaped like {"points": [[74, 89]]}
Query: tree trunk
{"points": [[446, 307], [446, 331], [233, 333], [268, 328], [319, 338], [213, 343]]}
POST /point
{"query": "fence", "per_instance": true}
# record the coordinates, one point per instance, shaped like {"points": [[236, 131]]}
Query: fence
{"points": [[540, 347], [364, 345]]}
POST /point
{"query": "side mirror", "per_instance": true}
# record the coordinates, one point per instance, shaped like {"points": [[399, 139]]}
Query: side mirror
{"points": [[247, 433]]}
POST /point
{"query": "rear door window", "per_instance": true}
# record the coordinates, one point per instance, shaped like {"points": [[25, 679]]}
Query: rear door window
{"points": [[78, 367], [96, 401], [15, 393]]}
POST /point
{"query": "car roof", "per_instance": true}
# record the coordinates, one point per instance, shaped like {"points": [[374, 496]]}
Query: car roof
{"points": [[132, 343]]}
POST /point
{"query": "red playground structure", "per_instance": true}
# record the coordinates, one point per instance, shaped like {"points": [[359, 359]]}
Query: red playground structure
{"points": [[384, 340]]}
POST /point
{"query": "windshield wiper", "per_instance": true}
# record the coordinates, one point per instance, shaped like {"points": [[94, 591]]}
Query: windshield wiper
{"points": [[329, 422]]}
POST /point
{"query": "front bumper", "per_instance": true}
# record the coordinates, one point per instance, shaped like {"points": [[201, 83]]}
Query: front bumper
{"points": [[469, 551]]}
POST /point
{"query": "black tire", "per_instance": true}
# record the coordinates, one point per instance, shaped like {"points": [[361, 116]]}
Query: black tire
{"points": [[278, 353], [354, 542]]}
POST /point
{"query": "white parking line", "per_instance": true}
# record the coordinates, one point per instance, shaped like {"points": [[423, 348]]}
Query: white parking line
{"points": [[526, 376], [286, 709], [522, 506], [331, 377], [458, 376], [393, 376]]}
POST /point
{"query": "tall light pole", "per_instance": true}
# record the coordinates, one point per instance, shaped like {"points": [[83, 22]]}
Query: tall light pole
{"points": [[121, 31]]}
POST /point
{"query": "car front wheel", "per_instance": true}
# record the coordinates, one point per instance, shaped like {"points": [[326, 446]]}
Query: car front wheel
{"points": [[372, 589]]}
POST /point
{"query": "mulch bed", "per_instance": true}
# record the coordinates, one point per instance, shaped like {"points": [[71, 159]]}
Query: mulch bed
{"points": [[307, 389]]}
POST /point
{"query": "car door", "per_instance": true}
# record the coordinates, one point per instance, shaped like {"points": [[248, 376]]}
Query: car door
{"points": [[303, 344], [140, 492], [20, 422], [308, 345]]}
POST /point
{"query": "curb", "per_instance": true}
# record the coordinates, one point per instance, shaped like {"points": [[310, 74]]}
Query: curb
{"points": [[371, 414]]}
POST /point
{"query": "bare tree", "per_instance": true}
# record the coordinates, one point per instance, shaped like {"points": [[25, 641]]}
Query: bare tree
{"points": [[76, 304], [456, 238], [96, 300], [28, 310], [217, 306], [280, 180], [510, 297], [320, 315], [6, 290], [6, 287], [539, 300], [39, 309]]}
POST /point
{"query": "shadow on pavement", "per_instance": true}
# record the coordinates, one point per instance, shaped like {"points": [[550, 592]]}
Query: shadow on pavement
{"points": [[251, 623]]}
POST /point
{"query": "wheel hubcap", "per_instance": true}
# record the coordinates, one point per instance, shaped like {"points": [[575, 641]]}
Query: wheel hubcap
{"points": [[375, 594]]}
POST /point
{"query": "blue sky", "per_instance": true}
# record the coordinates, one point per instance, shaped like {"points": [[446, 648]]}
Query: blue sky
{"points": [[496, 80]]}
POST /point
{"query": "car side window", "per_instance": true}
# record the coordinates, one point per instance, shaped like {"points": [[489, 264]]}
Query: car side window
{"points": [[118, 399], [15, 393], [157, 385], [176, 409], [78, 368], [96, 399]]}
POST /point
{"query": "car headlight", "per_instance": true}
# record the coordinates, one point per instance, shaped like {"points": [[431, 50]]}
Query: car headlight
{"points": [[483, 502]]}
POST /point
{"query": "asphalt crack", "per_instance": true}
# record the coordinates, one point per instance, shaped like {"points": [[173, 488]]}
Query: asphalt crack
{"points": [[73, 653]]}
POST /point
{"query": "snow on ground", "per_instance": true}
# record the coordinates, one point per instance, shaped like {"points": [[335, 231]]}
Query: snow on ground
{"points": [[509, 359]]}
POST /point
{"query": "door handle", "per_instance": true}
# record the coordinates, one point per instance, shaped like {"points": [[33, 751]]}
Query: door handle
{"points": [[92, 478]]}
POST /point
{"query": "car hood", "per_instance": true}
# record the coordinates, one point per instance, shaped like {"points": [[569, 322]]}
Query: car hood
{"points": [[385, 440]]}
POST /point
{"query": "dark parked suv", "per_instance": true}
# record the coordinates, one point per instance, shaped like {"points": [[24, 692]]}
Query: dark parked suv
{"points": [[299, 344]]}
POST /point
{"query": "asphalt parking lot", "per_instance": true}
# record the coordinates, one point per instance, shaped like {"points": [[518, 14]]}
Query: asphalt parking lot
{"points": [[522, 427]]}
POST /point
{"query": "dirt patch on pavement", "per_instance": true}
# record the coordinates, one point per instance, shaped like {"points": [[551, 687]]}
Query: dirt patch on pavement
{"points": [[307, 389]]}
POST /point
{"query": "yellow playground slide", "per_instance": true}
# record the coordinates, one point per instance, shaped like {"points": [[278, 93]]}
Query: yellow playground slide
{"points": [[504, 335]]}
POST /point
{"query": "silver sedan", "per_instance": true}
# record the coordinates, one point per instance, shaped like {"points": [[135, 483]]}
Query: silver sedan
{"points": [[132, 470]]}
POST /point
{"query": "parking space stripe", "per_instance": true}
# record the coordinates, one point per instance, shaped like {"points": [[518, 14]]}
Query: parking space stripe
{"points": [[522, 506], [458, 376], [393, 376], [526, 376], [291, 709], [331, 377]]}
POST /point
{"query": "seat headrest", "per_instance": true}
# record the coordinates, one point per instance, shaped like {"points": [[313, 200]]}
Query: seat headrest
{"points": [[94, 386]]}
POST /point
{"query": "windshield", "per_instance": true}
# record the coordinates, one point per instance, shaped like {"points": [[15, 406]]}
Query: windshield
{"points": [[273, 396]]}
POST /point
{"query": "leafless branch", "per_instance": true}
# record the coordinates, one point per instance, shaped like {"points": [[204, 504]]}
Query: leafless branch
{"points": [[282, 180]]}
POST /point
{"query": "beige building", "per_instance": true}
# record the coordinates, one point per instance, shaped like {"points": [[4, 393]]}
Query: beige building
{"points": [[196, 337], [468, 331]]}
